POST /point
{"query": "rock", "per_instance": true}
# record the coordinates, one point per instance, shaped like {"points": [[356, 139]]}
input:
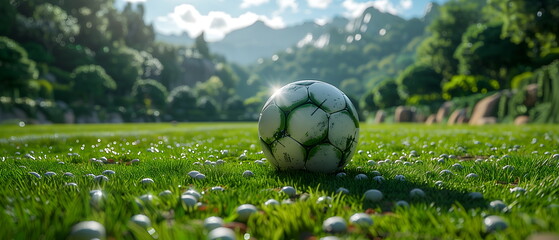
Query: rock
{"points": [[419, 117], [486, 107], [543, 236], [443, 111], [380, 116], [431, 119], [531, 95], [403, 114], [487, 121], [457, 117], [69, 117], [521, 120]]}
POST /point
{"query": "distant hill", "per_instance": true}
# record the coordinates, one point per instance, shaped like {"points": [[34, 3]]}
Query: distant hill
{"points": [[178, 39]]}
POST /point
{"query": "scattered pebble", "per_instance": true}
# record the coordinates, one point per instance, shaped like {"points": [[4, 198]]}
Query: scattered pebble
{"points": [[400, 177], [35, 174], [289, 190], [361, 176], [341, 175], [417, 193], [378, 179], [475, 195], [147, 181], [141, 220], [50, 174], [497, 205], [342, 190], [222, 233], [108, 172], [402, 204], [244, 211], [271, 202], [373, 195], [100, 179], [248, 173], [361, 219], [87, 230], [472, 175], [334, 225], [212, 223], [188, 201], [494, 223], [193, 193]]}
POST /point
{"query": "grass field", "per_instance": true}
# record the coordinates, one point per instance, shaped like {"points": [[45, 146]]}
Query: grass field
{"points": [[48, 207]]}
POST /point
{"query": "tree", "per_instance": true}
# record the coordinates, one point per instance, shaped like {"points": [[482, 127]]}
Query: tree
{"points": [[464, 85], [484, 52], [202, 46], [419, 79], [446, 34], [123, 64], [92, 83], [386, 94], [15, 68], [181, 103], [8, 13], [530, 21], [138, 35], [150, 93]]}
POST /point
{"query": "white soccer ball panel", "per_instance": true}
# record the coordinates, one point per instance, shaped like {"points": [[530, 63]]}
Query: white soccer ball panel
{"points": [[352, 110], [268, 153], [308, 124], [291, 96], [348, 154], [324, 158], [271, 123], [288, 153], [342, 130], [327, 97]]}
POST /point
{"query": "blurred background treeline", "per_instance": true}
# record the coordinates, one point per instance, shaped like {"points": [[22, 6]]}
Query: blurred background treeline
{"points": [[84, 61]]}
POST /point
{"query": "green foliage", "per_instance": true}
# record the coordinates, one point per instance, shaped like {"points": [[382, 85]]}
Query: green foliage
{"points": [[386, 95], [201, 46], [464, 85], [15, 69], [547, 109], [122, 63], [484, 52], [182, 103], [92, 83], [418, 80], [150, 93], [8, 13]]}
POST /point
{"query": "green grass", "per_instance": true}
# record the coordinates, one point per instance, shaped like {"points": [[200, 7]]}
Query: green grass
{"points": [[32, 208]]}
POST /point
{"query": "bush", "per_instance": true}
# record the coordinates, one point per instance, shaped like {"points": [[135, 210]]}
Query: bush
{"points": [[465, 85]]}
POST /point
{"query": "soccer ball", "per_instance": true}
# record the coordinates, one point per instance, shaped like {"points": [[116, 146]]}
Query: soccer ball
{"points": [[308, 125]]}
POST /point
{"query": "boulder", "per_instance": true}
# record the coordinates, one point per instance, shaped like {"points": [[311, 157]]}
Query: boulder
{"points": [[419, 117], [521, 120], [487, 120], [486, 107], [459, 116], [380, 116], [443, 112], [403, 114], [431, 119], [69, 117], [531, 95]]}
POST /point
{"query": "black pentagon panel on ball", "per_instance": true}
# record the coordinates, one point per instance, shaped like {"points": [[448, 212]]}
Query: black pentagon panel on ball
{"points": [[288, 153], [307, 124], [291, 96], [327, 97], [271, 124]]}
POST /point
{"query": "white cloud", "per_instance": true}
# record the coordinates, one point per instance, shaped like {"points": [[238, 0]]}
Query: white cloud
{"points": [[406, 4], [252, 3], [354, 9], [215, 24], [321, 4], [286, 4], [135, 1]]}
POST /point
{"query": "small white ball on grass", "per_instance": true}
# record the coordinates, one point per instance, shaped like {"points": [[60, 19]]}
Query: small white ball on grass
{"points": [[446, 173], [108, 172], [100, 179], [147, 198], [87, 230], [361, 220], [324, 200], [378, 179], [373, 195], [141, 220], [147, 181], [193, 173], [222, 233], [508, 168], [439, 183], [289, 190], [342, 190], [371, 163], [200, 176], [475, 195], [244, 211], [271, 202], [329, 238], [68, 174], [376, 173], [212, 223], [71, 184], [35, 174], [341, 175], [361, 176], [166, 194], [50, 174], [188, 201], [334, 225], [472, 176], [517, 190], [494, 223], [193, 193], [402, 204], [497, 205], [217, 189], [457, 166], [417, 193], [400, 177], [248, 173]]}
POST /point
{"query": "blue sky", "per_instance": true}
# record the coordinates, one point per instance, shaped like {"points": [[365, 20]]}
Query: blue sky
{"points": [[219, 17]]}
